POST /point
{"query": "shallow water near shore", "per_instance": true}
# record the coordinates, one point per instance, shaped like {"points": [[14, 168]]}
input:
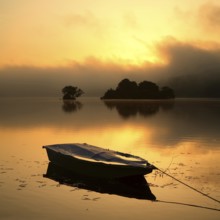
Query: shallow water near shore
{"points": [[180, 137]]}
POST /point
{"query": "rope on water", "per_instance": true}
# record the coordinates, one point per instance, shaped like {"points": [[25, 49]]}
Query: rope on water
{"points": [[204, 194], [186, 204]]}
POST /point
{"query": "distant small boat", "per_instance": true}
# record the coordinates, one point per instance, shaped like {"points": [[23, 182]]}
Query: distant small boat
{"points": [[94, 161]]}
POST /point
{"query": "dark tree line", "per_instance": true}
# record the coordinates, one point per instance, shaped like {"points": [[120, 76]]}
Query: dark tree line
{"points": [[127, 89]]}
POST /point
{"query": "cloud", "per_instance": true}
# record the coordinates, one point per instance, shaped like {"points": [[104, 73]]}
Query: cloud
{"points": [[188, 57], [191, 69], [209, 16], [93, 76], [130, 20], [202, 22], [87, 21], [77, 19]]}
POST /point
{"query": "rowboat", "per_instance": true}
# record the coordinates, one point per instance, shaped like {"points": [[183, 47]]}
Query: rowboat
{"points": [[129, 187], [94, 161]]}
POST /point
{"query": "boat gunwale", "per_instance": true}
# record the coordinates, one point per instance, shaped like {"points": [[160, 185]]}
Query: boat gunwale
{"points": [[97, 168], [144, 165], [102, 163]]}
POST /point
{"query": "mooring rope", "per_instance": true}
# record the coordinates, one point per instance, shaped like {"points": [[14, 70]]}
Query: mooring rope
{"points": [[204, 194], [186, 204]]}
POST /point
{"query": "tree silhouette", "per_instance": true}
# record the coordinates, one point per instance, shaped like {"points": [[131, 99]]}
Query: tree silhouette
{"points": [[127, 89], [167, 93], [148, 90], [71, 92]]}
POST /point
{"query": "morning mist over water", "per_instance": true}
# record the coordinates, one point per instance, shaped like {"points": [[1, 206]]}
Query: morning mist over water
{"points": [[189, 70], [49, 48]]}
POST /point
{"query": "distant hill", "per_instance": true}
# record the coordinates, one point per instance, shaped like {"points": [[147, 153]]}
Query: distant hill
{"points": [[206, 86], [127, 89]]}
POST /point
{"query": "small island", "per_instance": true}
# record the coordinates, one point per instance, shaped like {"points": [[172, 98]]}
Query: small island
{"points": [[127, 89], [71, 92]]}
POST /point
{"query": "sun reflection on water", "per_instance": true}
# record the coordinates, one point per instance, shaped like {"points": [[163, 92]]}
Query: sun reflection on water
{"points": [[176, 141]]}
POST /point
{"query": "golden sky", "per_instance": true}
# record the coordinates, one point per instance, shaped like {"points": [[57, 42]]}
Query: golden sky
{"points": [[93, 44], [59, 32]]}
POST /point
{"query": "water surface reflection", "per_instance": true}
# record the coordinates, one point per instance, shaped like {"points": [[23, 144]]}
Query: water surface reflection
{"points": [[133, 187], [183, 139], [70, 106], [128, 109]]}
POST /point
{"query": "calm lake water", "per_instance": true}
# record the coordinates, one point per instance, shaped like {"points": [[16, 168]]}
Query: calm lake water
{"points": [[181, 137]]}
